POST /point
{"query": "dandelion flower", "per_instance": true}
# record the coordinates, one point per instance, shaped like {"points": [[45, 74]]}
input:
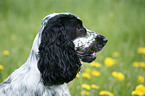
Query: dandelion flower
{"points": [[118, 75], [115, 74], [1, 67], [111, 94], [141, 50], [109, 61], [94, 86], [85, 93], [135, 64], [77, 75], [86, 86], [139, 64], [86, 75], [106, 93], [103, 93], [96, 64], [88, 70], [121, 76], [6, 52], [142, 64], [96, 73], [141, 79], [140, 90]]}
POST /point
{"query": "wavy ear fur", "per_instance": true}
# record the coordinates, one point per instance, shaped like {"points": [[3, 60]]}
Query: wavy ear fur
{"points": [[58, 60]]}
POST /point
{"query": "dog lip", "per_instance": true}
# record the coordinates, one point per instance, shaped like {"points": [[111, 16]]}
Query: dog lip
{"points": [[83, 54], [88, 58], [80, 52]]}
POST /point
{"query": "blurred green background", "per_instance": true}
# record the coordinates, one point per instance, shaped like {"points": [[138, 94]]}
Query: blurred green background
{"points": [[121, 21]]}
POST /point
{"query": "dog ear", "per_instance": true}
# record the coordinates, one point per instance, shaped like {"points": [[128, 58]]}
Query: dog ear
{"points": [[58, 60]]}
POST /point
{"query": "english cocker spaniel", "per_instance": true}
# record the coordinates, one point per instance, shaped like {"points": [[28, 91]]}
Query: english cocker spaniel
{"points": [[54, 60]]}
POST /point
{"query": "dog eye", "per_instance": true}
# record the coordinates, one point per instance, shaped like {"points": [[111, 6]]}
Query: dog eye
{"points": [[78, 28]]}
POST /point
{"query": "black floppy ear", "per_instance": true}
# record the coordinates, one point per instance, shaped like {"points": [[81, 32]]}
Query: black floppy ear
{"points": [[58, 60]]}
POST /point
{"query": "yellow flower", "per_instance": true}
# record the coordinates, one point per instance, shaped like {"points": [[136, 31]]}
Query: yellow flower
{"points": [[135, 93], [86, 75], [141, 79], [86, 86], [135, 64], [139, 64], [6, 52], [140, 90], [94, 86], [115, 74], [116, 54], [85, 93], [103, 93], [121, 76], [141, 50], [109, 61], [118, 75], [1, 67], [106, 93], [77, 75], [111, 94], [142, 64], [87, 70], [96, 73], [96, 64]]}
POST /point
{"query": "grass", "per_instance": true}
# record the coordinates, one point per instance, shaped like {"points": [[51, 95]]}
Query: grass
{"points": [[121, 21]]}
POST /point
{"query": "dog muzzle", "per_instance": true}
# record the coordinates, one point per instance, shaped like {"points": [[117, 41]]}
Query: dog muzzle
{"points": [[88, 46]]}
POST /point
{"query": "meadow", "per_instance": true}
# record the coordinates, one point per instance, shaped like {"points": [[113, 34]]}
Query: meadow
{"points": [[119, 69]]}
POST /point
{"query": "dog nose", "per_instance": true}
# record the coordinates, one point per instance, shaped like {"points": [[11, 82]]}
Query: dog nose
{"points": [[105, 40], [101, 39]]}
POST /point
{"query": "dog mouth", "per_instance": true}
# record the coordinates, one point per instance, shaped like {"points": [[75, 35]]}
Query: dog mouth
{"points": [[90, 54], [88, 47], [87, 57]]}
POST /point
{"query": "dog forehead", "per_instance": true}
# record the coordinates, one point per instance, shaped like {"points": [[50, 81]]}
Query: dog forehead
{"points": [[46, 18], [53, 15]]}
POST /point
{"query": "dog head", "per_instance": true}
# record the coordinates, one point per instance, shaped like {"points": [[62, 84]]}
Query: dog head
{"points": [[64, 41]]}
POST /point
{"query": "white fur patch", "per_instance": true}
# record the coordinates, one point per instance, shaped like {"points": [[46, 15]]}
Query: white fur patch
{"points": [[26, 80], [85, 42]]}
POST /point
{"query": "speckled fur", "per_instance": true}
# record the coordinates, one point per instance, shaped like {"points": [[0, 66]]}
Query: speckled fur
{"points": [[26, 80]]}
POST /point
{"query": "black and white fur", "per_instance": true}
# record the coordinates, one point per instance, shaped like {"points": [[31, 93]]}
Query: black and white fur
{"points": [[55, 57]]}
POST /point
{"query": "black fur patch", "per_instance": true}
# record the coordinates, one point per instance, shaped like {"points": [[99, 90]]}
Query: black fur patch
{"points": [[58, 60]]}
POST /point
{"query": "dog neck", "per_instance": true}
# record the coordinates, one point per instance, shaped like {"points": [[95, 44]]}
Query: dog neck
{"points": [[27, 78]]}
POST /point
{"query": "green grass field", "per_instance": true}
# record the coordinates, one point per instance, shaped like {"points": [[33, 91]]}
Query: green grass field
{"points": [[121, 21]]}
